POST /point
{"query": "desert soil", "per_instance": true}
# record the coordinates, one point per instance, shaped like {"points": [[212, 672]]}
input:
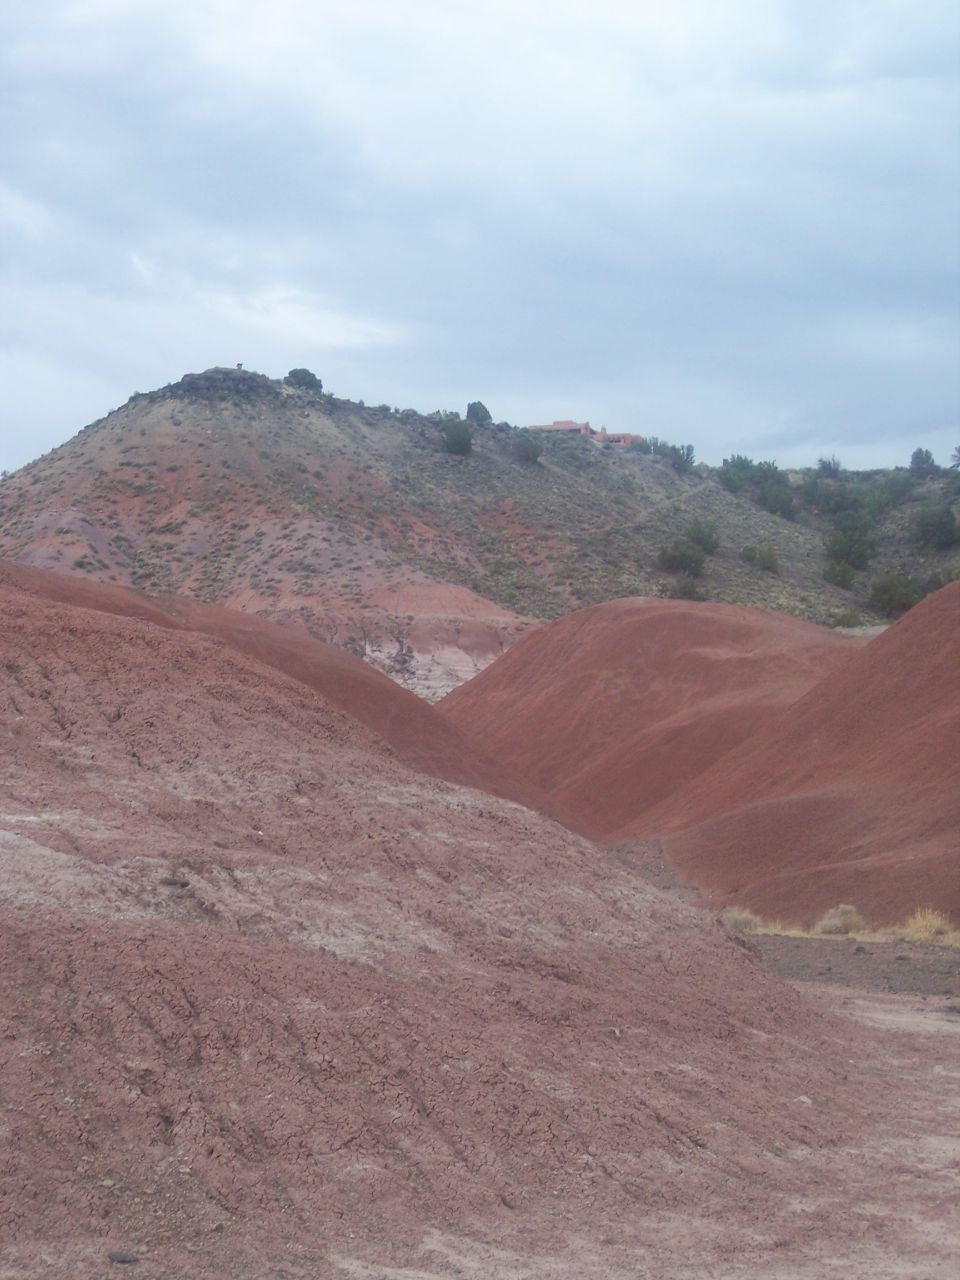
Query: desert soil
{"points": [[882, 1206], [275, 1005]]}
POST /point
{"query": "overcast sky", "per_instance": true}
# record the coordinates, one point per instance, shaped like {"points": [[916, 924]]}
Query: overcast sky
{"points": [[734, 223]]}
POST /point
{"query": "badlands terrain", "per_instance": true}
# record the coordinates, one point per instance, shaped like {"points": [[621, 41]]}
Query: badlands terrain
{"points": [[785, 767], [306, 976]]}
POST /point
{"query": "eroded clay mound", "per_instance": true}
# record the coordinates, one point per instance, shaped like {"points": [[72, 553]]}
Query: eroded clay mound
{"points": [[850, 796], [269, 996], [421, 738], [613, 709]]}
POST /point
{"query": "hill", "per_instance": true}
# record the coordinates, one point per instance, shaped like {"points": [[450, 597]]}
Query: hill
{"points": [[270, 998], [782, 766], [357, 525], [410, 727], [612, 710], [850, 796]]}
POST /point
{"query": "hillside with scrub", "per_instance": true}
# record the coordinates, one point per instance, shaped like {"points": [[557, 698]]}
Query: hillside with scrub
{"points": [[428, 542]]}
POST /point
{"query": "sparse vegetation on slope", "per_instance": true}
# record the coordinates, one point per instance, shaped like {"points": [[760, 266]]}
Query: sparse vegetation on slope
{"points": [[277, 497]]}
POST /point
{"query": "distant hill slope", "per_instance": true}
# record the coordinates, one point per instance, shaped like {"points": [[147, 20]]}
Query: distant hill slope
{"points": [[358, 524], [613, 710]]}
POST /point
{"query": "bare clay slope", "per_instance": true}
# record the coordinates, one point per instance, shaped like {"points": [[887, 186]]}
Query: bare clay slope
{"points": [[421, 738], [615, 709], [850, 796], [273, 1003]]}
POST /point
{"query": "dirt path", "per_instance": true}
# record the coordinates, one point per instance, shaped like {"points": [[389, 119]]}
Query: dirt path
{"points": [[905, 968]]}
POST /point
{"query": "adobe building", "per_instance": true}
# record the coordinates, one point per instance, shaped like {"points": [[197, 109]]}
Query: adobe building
{"points": [[567, 427]]}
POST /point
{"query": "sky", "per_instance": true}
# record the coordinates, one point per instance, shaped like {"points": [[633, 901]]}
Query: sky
{"points": [[731, 223]]}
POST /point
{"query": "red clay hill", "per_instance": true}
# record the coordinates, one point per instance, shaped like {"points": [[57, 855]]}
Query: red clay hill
{"points": [[851, 795], [272, 1003], [612, 709], [422, 739], [785, 767]]}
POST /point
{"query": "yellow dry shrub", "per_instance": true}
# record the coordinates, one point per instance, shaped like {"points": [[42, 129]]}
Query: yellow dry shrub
{"points": [[740, 920], [926, 925], [842, 919]]}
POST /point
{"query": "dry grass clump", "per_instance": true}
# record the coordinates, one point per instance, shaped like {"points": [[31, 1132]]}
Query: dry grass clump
{"points": [[926, 925], [842, 919], [740, 920]]}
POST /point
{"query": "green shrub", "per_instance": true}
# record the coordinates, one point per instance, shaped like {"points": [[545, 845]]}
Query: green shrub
{"points": [[936, 527], [681, 557], [681, 458], [851, 547], [922, 463], [894, 594], [684, 588], [839, 574], [457, 438], [763, 557], [704, 536], [303, 379], [736, 472], [897, 487], [846, 618], [526, 447], [769, 485], [478, 413]]}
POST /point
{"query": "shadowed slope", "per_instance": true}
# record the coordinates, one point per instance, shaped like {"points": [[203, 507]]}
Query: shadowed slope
{"points": [[613, 709]]}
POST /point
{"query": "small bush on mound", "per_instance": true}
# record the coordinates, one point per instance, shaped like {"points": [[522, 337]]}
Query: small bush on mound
{"points": [[936, 527], [926, 925], [839, 575], [763, 557], [740, 920], [894, 594], [704, 535], [305, 379], [458, 438], [681, 557], [842, 919], [922, 463], [527, 448], [847, 618], [684, 588]]}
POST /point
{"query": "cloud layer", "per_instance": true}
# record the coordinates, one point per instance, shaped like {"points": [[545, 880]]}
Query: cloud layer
{"points": [[733, 224]]}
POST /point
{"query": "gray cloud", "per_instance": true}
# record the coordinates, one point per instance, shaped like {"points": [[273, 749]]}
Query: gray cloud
{"points": [[731, 224]]}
